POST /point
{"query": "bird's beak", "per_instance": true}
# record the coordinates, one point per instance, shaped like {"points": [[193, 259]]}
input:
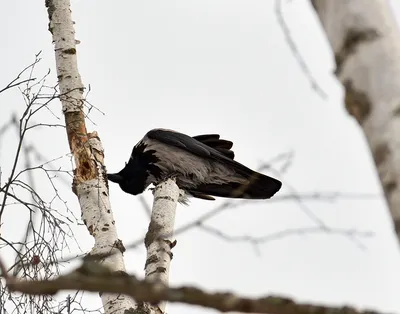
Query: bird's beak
{"points": [[114, 177]]}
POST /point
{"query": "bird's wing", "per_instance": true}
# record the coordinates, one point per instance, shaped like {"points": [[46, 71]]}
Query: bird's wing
{"points": [[195, 147], [181, 141], [206, 137], [214, 141], [259, 186]]}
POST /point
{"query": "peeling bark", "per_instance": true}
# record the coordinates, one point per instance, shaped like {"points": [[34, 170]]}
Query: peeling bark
{"points": [[366, 43], [89, 184], [158, 239]]}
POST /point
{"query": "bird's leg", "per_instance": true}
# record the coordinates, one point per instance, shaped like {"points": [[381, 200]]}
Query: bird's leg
{"points": [[183, 197], [170, 175]]}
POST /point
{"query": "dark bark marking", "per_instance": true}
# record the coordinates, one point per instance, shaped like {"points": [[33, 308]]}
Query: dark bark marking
{"points": [[397, 226], [356, 102], [396, 111], [380, 153], [158, 271], [168, 198], [353, 39], [389, 186], [152, 233], [152, 259], [120, 246], [70, 51]]}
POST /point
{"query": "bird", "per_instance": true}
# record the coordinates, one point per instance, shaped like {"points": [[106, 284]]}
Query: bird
{"points": [[203, 166]]}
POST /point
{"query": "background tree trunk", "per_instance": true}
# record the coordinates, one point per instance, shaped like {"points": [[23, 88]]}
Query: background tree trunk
{"points": [[366, 44]]}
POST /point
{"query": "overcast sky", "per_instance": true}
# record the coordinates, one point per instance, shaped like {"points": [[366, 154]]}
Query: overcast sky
{"points": [[224, 67]]}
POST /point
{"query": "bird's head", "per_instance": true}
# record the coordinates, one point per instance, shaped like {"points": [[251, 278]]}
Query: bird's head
{"points": [[139, 172], [130, 179]]}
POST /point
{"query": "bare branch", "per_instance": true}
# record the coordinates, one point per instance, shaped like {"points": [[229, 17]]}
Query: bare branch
{"points": [[307, 211], [145, 206], [15, 82], [293, 47], [96, 278], [47, 229], [283, 233]]}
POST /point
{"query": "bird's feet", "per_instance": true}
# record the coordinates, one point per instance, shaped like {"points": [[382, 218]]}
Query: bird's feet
{"points": [[171, 175], [183, 197]]}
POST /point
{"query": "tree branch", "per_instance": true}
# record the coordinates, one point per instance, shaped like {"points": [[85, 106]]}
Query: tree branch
{"points": [[96, 278], [296, 53], [282, 234], [158, 240]]}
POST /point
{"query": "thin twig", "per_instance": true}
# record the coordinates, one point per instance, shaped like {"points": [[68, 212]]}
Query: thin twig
{"points": [[295, 50]]}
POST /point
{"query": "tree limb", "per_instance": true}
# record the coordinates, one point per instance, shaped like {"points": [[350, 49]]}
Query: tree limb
{"points": [[158, 240], [96, 278]]}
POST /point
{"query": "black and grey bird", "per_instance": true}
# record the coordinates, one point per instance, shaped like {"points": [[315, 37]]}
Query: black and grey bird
{"points": [[202, 166]]}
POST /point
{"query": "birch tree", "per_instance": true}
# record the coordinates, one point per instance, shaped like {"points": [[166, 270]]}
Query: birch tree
{"points": [[366, 44], [89, 183]]}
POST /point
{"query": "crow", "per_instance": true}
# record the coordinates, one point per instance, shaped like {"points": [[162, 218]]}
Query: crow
{"points": [[203, 166]]}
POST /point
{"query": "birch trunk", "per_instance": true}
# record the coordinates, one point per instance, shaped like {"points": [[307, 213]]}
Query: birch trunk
{"points": [[366, 44], [158, 239], [89, 181]]}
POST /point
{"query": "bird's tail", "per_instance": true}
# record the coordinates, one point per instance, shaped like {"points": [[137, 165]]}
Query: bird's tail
{"points": [[258, 186]]}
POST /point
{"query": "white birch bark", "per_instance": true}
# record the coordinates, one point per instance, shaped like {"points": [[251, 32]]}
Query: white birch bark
{"points": [[98, 217], [158, 239], [365, 40], [89, 183]]}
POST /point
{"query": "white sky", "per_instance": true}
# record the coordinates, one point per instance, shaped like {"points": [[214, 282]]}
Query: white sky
{"points": [[217, 66]]}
